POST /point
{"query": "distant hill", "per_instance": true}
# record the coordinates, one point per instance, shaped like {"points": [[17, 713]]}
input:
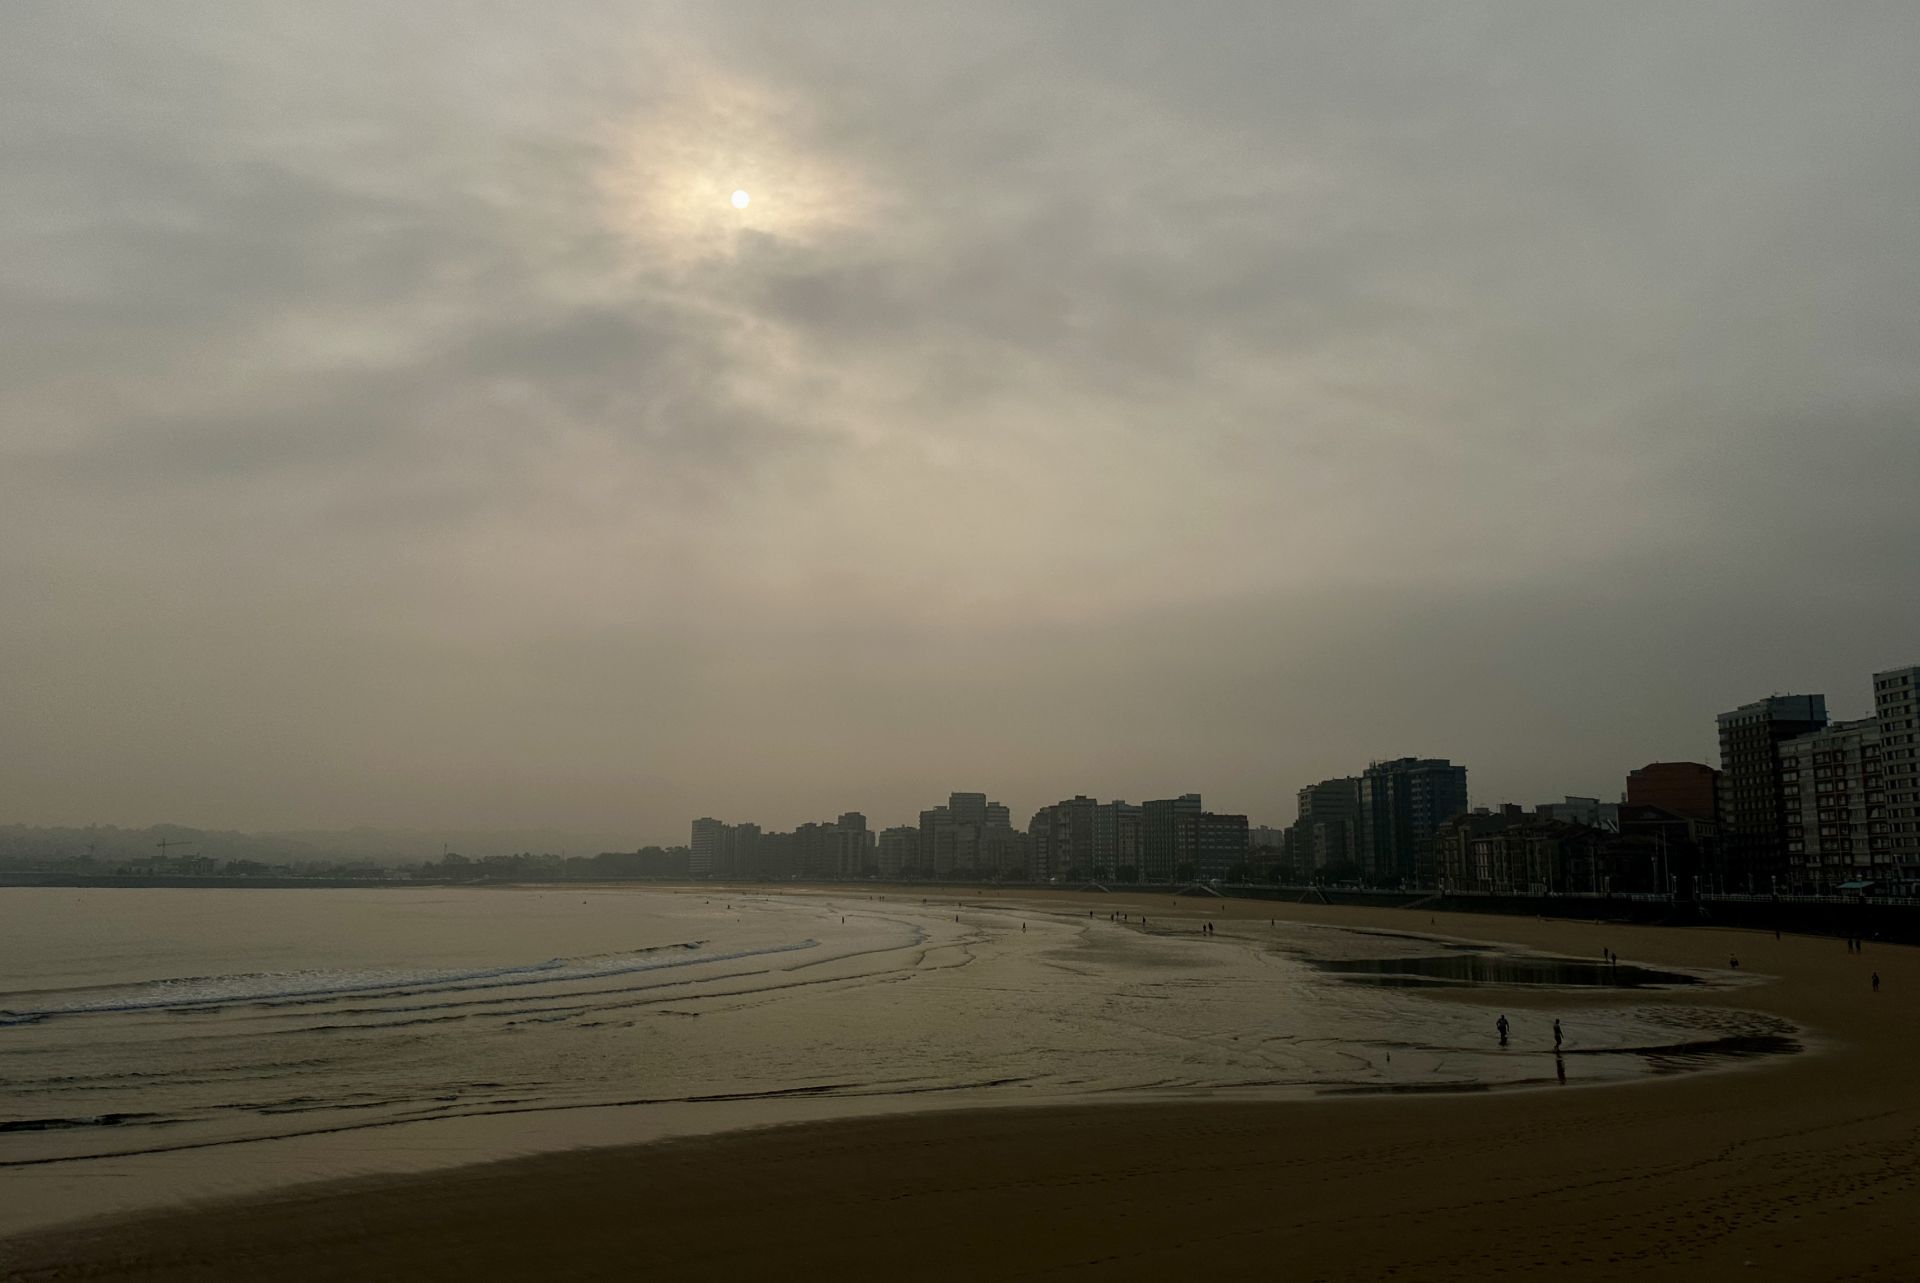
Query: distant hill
{"points": [[24, 845], [407, 846]]}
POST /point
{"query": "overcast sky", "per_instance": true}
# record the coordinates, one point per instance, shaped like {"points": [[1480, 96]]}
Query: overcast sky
{"points": [[400, 425]]}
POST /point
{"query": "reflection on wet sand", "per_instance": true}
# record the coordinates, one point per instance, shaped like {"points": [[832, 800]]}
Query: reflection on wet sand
{"points": [[1501, 968], [452, 1028]]}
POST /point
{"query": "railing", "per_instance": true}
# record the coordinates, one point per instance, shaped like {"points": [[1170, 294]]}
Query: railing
{"points": [[1639, 897], [1739, 897]]}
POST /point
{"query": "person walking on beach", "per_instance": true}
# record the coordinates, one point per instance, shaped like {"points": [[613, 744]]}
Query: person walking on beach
{"points": [[1876, 982], [1501, 1025], [1556, 1037]]}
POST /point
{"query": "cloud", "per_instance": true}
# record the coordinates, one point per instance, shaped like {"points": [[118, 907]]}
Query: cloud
{"points": [[1114, 400]]}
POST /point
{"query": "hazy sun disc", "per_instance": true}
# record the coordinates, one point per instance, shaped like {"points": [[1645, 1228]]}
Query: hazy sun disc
{"points": [[740, 200]]}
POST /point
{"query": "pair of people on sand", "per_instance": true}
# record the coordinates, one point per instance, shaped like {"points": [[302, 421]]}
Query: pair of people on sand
{"points": [[1504, 1028]]}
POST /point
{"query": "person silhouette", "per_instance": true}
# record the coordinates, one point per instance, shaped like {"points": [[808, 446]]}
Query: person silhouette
{"points": [[1501, 1025], [1556, 1037], [1876, 982]]}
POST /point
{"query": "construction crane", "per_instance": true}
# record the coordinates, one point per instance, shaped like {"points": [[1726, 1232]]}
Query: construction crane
{"points": [[164, 843]]}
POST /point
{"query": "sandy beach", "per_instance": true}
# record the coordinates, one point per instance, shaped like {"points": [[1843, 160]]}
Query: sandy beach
{"points": [[1800, 1167]]}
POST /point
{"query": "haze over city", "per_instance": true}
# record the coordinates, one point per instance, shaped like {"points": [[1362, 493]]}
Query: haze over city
{"points": [[406, 426]]}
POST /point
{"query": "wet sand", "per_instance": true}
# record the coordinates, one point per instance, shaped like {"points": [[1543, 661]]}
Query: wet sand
{"points": [[1800, 1167]]}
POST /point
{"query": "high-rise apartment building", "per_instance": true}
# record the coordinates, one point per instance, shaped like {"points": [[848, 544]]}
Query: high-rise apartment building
{"points": [[1896, 704], [1167, 834], [1835, 808], [969, 837], [1328, 823], [1082, 838], [899, 851], [1219, 846], [1180, 840], [739, 852], [1402, 803], [1061, 840], [1116, 839], [968, 808], [935, 855], [708, 835], [1753, 811], [852, 846]]}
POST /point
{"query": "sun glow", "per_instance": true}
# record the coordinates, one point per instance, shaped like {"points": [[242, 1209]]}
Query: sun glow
{"points": [[676, 182]]}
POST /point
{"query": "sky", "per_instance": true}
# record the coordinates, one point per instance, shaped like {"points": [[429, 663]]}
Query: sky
{"points": [[400, 425]]}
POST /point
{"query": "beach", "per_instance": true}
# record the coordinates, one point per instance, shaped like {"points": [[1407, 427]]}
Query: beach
{"points": [[1789, 1167]]}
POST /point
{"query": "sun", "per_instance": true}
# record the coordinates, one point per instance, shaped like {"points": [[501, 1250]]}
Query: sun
{"points": [[740, 200]]}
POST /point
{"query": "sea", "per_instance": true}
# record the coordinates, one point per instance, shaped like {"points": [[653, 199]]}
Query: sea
{"points": [[163, 1045]]}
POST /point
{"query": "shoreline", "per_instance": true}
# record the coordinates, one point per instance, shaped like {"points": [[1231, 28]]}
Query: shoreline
{"points": [[814, 1194]]}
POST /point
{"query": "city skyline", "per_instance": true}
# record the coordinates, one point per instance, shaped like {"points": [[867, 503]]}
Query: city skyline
{"points": [[1800, 802], [1278, 809]]}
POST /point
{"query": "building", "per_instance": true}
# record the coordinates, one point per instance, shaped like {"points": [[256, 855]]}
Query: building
{"points": [[1539, 856], [968, 838], [816, 851], [1753, 811], [1590, 811], [1684, 788], [1456, 861], [1116, 842], [1328, 825], [899, 851], [1402, 803], [852, 847], [1082, 839], [739, 855], [773, 859], [1167, 835], [1266, 835], [968, 808], [1181, 841], [1061, 839], [1220, 847], [708, 835], [1513, 853], [1896, 705], [721, 850], [1663, 850], [1835, 808], [934, 857], [1270, 854]]}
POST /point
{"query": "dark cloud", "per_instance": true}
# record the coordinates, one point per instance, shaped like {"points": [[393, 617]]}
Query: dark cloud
{"points": [[401, 426]]}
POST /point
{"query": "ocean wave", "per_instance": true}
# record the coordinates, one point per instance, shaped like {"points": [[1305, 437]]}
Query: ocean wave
{"points": [[85, 1120], [292, 987]]}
